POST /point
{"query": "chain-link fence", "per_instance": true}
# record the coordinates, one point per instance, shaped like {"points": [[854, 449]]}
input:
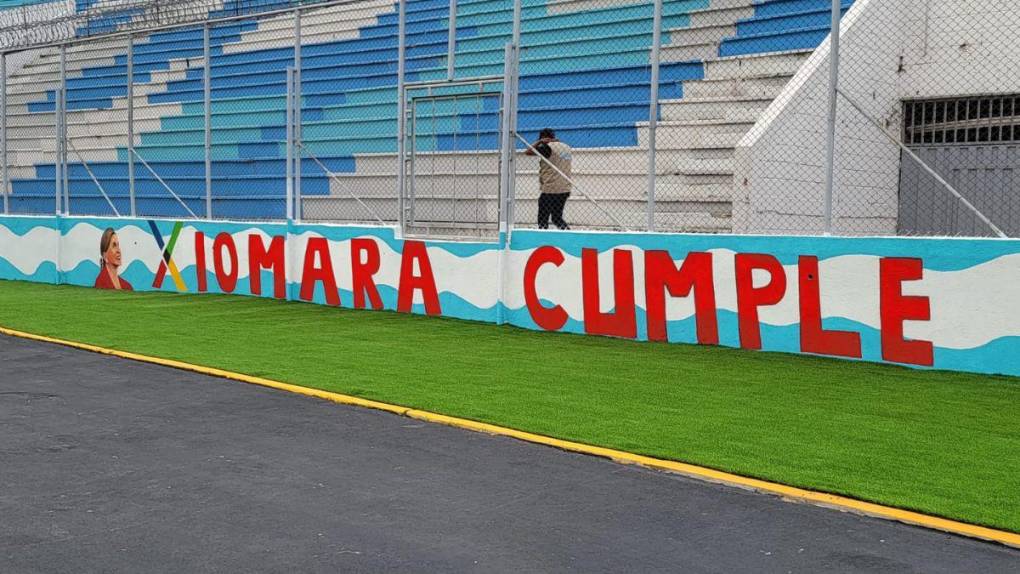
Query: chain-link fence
{"points": [[582, 111], [345, 93], [34, 23], [30, 136], [459, 118], [926, 137]]}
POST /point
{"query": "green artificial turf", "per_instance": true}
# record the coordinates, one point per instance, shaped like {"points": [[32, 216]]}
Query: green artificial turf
{"points": [[938, 442]]}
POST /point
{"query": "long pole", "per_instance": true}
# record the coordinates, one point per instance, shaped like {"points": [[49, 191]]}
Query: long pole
{"points": [[517, 24], [401, 111], [653, 111], [62, 96], [58, 180], [511, 189], [167, 187], [830, 142], [511, 111], [207, 108], [297, 116], [131, 123], [451, 40], [289, 168], [3, 130], [506, 143]]}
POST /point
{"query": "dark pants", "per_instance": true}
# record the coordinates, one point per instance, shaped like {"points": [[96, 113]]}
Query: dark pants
{"points": [[552, 204]]}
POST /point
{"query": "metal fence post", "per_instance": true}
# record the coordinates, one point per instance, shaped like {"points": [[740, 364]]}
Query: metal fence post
{"points": [[65, 172], [653, 110], [289, 167], [296, 111], [207, 109], [506, 142], [62, 122], [517, 24], [513, 79], [830, 143], [131, 122], [58, 193], [3, 130], [451, 40], [401, 111]]}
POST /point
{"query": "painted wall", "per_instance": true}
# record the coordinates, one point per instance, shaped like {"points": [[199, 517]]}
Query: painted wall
{"points": [[943, 303], [890, 51], [367, 267]]}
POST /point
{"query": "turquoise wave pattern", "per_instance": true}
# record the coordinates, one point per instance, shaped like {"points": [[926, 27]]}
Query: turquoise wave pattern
{"points": [[944, 254], [995, 357]]}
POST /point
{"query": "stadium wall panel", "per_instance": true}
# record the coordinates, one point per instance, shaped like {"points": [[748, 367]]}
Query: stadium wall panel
{"points": [[929, 303]]}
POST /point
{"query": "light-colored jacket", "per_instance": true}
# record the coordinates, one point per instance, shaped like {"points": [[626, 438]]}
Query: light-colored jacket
{"points": [[548, 180]]}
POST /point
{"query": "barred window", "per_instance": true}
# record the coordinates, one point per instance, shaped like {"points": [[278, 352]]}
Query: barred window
{"points": [[984, 119]]}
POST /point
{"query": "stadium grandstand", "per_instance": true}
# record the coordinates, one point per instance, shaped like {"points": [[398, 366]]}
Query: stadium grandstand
{"points": [[584, 71]]}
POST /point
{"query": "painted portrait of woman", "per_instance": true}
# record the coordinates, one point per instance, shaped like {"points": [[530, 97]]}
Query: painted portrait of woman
{"points": [[109, 263]]}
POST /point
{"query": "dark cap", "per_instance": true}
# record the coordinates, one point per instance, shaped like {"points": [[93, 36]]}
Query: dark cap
{"points": [[546, 133]]}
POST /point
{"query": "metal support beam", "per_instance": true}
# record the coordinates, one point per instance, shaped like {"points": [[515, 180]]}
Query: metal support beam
{"points": [[401, 111], [3, 131], [517, 25], [653, 110], [207, 108], [58, 135], [289, 167], [451, 41], [131, 123], [62, 122], [514, 80], [170, 190], [94, 179], [506, 143], [830, 142], [297, 116]]}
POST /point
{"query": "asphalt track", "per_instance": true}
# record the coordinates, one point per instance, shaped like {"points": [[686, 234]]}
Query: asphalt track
{"points": [[117, 466]]}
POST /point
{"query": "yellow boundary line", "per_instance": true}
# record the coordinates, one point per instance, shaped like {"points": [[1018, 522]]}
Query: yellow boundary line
{"points": [[694, 471]]}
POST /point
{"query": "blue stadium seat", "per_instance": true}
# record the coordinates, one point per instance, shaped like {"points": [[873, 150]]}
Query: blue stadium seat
{"points": [[584, 73]]}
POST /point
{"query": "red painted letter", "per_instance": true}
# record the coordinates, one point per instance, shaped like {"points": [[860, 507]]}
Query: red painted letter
{"points": [[409, 281], [814, 339], [200, 262], [226, 280], [623, 321], [362, 272], [552, 318], [696, 272], [318, 248], [749, 297], [897, 308], [259, 258]]}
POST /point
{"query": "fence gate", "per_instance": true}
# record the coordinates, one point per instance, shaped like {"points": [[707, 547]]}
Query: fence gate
{"points": [[453, 159], [974, 144]]}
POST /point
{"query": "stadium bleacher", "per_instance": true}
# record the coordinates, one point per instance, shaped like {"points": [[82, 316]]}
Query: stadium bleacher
{"points": [[8, 4], [584, 72]]}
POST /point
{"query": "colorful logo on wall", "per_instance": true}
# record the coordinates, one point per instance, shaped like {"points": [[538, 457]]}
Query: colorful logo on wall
{"points": [[167, 263]]}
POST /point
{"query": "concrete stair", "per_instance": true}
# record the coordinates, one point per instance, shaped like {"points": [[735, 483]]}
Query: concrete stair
{"points": [[696, 135], [453, 216], [457, 191]]}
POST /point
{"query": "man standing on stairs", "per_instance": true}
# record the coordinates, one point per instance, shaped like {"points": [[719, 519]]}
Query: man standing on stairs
{"points": [[553, 174]]}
